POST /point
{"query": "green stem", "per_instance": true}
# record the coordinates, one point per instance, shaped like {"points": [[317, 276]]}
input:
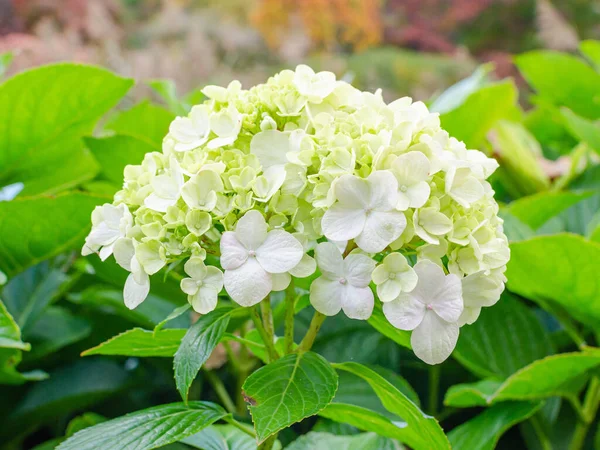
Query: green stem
{"points": [[268, 341], [267, 318], [220, 390], [590, 407], [311, 333], [434, 388], [539, 431], [240, 426], [290, 299], [268, 444]]}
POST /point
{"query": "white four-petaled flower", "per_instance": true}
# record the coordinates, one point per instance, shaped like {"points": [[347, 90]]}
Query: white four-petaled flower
{"points": [[365, 211], [167, 188], [202, 286], [344, 283], [431, 310], [250, 256], [392, 276], [191, 132], [109, 223], [412, 170]]}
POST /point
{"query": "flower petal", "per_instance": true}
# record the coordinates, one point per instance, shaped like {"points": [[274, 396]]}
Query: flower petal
{"points": [[357, 302], [358, 269], [251, 230], [447, 301], [405, 313], [233, 253], [136, 291], [157, 203], [431, 280], [380, 230], [411, 168], [329, 260], [280, 252], [469, 315], [280, 281], [341, 224], [352, 192], [305, 268], [384, 190], [271, 147], [248, 284], [213, 278], [434, 339], [189, 286], [205, 300], [195, 268], [418, 194], [389, 290], [380, 274], [326, 296]]}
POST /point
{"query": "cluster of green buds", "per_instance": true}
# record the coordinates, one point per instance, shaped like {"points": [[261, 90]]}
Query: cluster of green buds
{"points": [[306, 176]]}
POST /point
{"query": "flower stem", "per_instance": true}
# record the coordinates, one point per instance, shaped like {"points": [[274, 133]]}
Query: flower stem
{"points": [[590, 407], [268, 340], [268, 444], [290, 299], [220, 390], [240, 426], [434, 388], [311, 334]]}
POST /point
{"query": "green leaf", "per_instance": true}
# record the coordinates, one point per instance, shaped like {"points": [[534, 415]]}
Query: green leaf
{"points": [[69, 388], [57, 328], [288, 390], [115, 152], [537, 209], [567, 275], [147, 429], [43, 114], [472, 120], [146, 122], [5, 60], [25, 242], [517, 152], [141, 343], [82, 422], [197, 345], [483, 432], [583, 129], [591, 50], [10, 334], [416, 429], [353, 390], [487, 349], [548, 377], [29, 293], [173, 315], [514, 229], [364, 441], [563, 80], [167, 90], [222, 437], [458, 93], [381, 324]]}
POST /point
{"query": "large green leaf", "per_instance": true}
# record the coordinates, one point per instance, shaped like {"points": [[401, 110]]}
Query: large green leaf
{"points": [[115, 152], [535, 210], [505, 338], [197, 345], [563, 80], [413, 427], [142, 343], [364, 441], [561, 268], [29, 293], [472, 120], [43, 113], [10, 334], [288, 390], [33, 229], [381, 324], [147, 429], [483, 432], [552, 376], [55, 329], [583, 129], [145, 121]]}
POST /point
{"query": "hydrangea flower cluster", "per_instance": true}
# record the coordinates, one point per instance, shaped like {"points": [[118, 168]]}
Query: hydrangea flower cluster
{"points": [[306, 176]]}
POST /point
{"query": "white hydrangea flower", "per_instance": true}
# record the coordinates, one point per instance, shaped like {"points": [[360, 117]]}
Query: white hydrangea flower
{"points": [[226, 124], [109, 223], [462, 186], [191, 132], [200, 191], [393, 276], [202, 286], [430, 224], [250, 256], [314, 86], [365, 211], [137, 285], [479, 290], [344, 283], [166, 188], [431, 310], [412, 170]]}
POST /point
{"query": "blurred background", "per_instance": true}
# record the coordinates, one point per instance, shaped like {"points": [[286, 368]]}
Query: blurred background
{"points": [[407, 47]]}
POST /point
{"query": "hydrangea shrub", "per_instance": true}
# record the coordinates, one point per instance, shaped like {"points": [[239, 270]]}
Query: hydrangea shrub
{"points": [[307, 177]]}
